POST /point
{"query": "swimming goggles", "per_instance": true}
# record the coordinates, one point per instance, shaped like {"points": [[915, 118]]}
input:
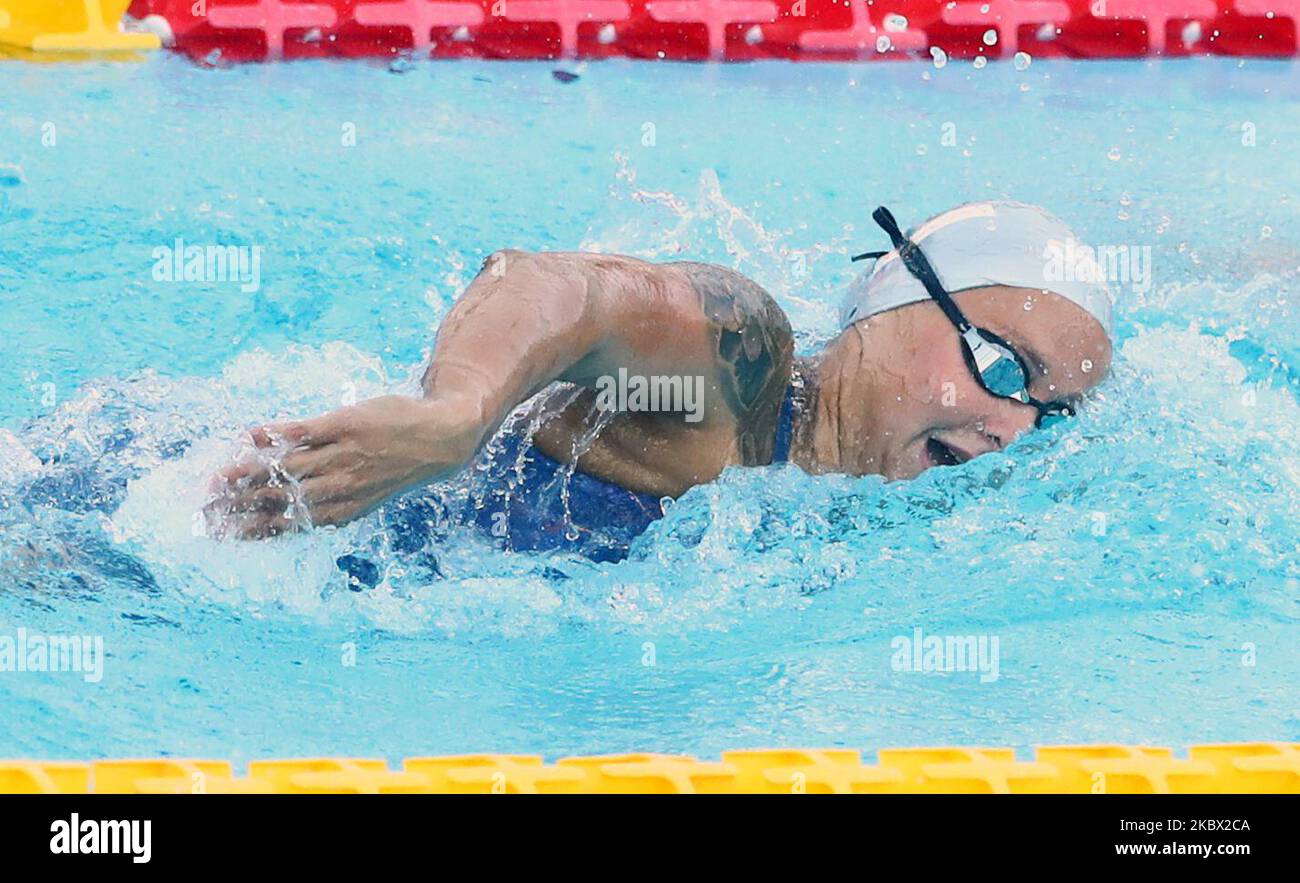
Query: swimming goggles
{"points": [[994, 362]]}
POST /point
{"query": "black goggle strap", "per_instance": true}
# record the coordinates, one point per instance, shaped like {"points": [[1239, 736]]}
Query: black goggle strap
{"points": [[873, 255], [916, 262]]}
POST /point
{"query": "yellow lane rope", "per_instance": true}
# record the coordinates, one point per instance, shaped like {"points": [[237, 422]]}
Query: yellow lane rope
{"points": [[1261, 767]]}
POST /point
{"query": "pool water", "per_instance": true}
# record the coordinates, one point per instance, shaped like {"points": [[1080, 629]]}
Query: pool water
{"points": [[1138, 568]]}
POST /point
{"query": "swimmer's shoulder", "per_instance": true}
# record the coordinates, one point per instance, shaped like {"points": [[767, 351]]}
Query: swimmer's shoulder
{"points": [[753, 347]]}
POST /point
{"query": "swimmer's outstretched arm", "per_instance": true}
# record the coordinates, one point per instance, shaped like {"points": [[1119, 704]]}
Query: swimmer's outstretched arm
{"points": [[525, 321]]}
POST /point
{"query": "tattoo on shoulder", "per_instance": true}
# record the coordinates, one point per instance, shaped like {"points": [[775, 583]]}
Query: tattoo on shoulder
{"points": [[755, 351]]}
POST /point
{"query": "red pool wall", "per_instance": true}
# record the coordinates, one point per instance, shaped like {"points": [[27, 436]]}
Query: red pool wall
{"points": [[731, 30]]}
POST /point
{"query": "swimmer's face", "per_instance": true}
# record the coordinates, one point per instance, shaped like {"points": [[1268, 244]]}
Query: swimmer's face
{"points": [[933, 409]]}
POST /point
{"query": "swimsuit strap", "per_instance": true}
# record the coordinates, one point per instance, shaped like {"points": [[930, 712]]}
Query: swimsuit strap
{"points": [[784, 427]]}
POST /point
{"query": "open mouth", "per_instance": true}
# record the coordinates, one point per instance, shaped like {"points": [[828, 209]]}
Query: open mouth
{"points": [[940, 454]]}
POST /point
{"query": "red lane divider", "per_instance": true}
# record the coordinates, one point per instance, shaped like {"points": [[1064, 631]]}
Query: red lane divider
{"points": [[1007, 17], [568, 14], [1157, 16], [273, 18], [715, 15], [862, 36], [419, 17], [1272, 9], [730, 30]]}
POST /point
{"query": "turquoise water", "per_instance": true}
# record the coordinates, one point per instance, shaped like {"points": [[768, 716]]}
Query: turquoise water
{"points": [[1139, 568]]}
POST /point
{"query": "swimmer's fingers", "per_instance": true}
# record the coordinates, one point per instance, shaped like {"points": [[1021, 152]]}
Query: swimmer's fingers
{"points": [[314, 433], [250, 475], [311, 492], [243, 514], [265, 512], [263, 526], [273, 435], [266, 499], [273, 524], [272, 510], [246, 474]]}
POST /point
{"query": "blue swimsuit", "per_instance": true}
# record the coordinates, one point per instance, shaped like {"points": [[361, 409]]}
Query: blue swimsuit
{"points": [[540, 504]]}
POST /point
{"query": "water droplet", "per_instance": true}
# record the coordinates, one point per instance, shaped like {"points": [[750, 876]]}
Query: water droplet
{"points": [[1022, 60], [1114, 154], [1265, 232], [895, 23], [991, 37], [980, 62], [883, 43], [940, 57]]}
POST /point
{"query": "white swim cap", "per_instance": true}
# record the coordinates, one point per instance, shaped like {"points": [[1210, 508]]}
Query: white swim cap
{"points": [[981, 244]]}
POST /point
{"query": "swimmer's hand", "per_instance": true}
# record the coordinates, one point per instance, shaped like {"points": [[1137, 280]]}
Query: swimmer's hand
{"points": [[341, 465]]}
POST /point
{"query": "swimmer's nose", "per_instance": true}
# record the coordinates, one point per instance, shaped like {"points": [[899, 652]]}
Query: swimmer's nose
{"points": [[1007, 423]]}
